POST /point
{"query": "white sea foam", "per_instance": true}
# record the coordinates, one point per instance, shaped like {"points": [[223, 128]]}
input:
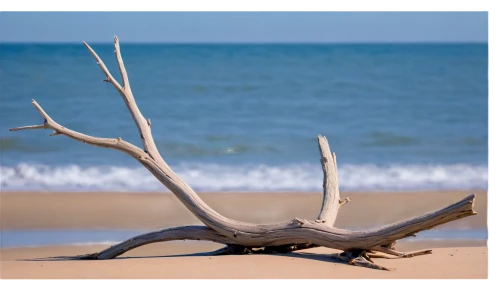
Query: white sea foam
{"points": [[215, 177]]}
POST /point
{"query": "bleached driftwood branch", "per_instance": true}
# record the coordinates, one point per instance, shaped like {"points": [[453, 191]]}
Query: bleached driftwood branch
{"points": [[331, 197], [242, 237]]}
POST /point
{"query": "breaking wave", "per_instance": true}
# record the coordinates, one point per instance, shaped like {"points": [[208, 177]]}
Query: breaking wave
{"points": [[216, 177]]}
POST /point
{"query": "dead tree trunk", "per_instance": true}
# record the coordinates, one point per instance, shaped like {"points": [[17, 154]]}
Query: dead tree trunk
{"points": [[241, 237]]}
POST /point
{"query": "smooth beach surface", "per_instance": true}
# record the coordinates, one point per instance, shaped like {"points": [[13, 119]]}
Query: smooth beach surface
{"points": [[451, 258], [105, 210], [452, 262]]}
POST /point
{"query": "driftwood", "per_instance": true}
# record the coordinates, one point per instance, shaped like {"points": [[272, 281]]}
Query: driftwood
{"points": [[239, 237]]}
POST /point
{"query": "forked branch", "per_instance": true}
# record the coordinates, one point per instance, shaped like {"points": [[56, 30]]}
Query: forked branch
{"points": [[114, 143], [295, 234], [126, 92]]}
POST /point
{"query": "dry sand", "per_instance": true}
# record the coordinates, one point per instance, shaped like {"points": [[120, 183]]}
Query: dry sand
{"points": [[144, 262], [22, 210], [450, 259]]}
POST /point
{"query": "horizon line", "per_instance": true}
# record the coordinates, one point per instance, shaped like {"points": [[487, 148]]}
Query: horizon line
{"points": [[248, 43]]}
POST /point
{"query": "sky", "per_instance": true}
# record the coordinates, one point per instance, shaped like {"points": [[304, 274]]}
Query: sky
{"points": [[244, 27]]}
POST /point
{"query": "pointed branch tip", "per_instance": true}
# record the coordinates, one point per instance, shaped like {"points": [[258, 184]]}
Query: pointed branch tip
{"points": [[42, 126]]}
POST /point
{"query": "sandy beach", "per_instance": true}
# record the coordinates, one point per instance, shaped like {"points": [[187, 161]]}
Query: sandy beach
{"points": [[151, 211], [24, 210]]}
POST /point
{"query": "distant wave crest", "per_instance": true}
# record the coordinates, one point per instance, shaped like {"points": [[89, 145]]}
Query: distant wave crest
{"points": [[216, 177]]}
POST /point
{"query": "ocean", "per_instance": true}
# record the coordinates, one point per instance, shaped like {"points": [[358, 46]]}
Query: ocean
{"points": [[245, 117]]}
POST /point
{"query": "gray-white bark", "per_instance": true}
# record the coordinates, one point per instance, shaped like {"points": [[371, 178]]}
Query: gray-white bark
{"points": [[295, 233], [331, 196], [224, 230]]}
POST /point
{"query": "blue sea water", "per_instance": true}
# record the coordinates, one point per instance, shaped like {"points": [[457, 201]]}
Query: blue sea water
{"points": [[246, 117], [25, 238]]}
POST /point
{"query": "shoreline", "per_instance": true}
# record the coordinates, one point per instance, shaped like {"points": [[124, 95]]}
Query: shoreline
{"points": [[18, 239]]}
